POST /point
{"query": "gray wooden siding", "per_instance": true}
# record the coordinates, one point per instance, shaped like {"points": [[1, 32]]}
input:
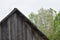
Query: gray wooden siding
{"points": [[4, 31], [24, 31], [15, 28], [20, 28], [0, 32], [36, 36], [29, 32]]}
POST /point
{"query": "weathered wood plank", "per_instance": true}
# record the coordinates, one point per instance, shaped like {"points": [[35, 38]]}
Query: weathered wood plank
{"points": [[14, 27], [0, 32], [29, 32], [34, 36], [4, 31], [20, 27], [24, 31], [37, 36], [40, 38], [9, 27]]}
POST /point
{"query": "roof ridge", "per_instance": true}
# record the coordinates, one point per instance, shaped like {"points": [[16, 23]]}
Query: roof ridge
{"points": [[15, 9]]}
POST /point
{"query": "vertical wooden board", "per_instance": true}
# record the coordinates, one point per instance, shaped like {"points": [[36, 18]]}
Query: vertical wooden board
{"points": [[20, 27], [34, 36], [24, 31], [29, 32], [0, 32], [13, 27], [40, 38], [37, 36], [9, 28], [4, 31], [9, 23]]}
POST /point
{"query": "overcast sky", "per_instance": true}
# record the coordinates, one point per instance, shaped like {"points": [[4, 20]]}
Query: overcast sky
{"points": [[26, 6]]}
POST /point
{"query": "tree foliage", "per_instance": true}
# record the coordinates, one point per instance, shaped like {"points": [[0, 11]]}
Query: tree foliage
{"points": [[44, 21], [56, 28]]}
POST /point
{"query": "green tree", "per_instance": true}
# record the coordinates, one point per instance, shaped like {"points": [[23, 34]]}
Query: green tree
{"points": [[56, 28], [44, 21]]}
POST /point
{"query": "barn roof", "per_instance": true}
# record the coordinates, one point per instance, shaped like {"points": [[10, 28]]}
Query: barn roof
{"points": [[27, 20]]}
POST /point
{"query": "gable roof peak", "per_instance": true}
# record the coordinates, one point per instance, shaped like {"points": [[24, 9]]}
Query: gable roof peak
{"points": [[12, 12]]}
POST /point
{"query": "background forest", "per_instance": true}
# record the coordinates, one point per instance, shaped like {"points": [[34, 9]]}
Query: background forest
{"points": [[47, 21]]}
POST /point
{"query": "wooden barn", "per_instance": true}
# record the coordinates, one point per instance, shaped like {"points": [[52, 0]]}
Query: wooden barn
{"points": [[17, 27]]}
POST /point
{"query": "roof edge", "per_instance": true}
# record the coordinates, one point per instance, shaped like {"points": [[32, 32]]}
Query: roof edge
{"points": [[12, 12]]}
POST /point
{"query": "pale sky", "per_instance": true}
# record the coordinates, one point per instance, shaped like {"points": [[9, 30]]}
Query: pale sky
{"points": [[26, 6]]}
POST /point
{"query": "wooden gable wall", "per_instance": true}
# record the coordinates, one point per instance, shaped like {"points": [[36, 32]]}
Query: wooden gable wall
{"points": [[16, 28]]}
